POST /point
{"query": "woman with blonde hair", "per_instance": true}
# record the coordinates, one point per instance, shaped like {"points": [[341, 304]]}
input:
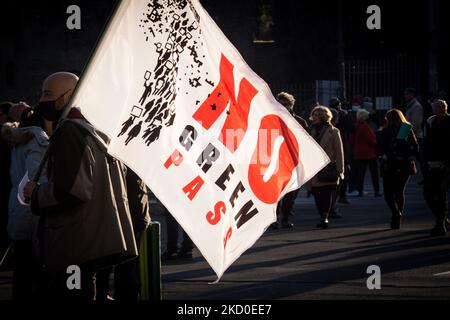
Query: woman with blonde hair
{"points": [[396, 145], [326, 181]]}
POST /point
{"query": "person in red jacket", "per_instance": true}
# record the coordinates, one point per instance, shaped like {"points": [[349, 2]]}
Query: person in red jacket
{"points": [[365, 153]]}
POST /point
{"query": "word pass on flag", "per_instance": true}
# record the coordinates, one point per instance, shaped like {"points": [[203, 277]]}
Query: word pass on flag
{"points": [[186, 113]]}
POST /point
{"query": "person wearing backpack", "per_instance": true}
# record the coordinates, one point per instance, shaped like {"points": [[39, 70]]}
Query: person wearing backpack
{"points": [[437, 165], [396, 146]]}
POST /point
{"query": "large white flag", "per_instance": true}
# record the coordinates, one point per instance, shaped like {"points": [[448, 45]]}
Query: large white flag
{"points": [[185, 112]]}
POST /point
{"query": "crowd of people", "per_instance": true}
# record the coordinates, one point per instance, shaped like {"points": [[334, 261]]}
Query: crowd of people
{"points": [[394, 145], [86, 208]]}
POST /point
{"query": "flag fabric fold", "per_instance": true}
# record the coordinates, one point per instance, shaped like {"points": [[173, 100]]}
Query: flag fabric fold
{"points": [[188, 115]]}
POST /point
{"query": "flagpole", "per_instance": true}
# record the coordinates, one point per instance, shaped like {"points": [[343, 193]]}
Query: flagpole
{"points": [[86, 68]]}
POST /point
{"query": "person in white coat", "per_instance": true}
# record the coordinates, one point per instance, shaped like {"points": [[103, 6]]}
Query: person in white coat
{"points": [[29, 142]]}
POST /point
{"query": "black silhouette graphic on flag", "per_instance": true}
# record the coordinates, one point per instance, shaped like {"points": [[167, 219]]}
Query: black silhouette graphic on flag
{"points": [[126, 125], [134, 132], [178, 22]]}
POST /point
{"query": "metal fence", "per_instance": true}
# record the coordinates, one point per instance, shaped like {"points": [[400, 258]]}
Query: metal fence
{"points": [[384, 77]]}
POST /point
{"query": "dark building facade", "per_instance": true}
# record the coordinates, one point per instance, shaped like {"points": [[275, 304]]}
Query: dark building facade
{"points": [[288, 43]]}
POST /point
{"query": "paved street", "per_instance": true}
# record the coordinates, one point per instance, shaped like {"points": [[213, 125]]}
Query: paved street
{"points": [[305, 263]]}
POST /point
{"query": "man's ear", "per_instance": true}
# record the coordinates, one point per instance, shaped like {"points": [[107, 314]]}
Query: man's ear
{"points": [[64, 100]]}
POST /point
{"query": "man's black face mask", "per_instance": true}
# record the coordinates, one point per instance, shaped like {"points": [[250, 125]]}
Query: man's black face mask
{"points": [[47, 109]]}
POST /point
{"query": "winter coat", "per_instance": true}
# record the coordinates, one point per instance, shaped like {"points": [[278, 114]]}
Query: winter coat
{"points": [[396, 157], [437, 137], [84, 203], [29, 145], [346, 129], [365, 142], [300, 121], [138, 202], [331, 143]]}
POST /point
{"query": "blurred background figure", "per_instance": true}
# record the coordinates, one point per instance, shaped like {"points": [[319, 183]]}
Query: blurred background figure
{"points": [[285, 207], [437, 166], [306, 109], [414, 114], [173, 252], [5, 181], [364, 153], [368, 105], [344, 123]]}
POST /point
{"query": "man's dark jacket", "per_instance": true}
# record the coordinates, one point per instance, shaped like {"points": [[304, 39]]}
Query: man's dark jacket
{"points": [[84, 204]]}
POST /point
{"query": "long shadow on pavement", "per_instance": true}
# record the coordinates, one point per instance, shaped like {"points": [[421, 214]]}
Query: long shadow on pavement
{"points": [[283, 287]]}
